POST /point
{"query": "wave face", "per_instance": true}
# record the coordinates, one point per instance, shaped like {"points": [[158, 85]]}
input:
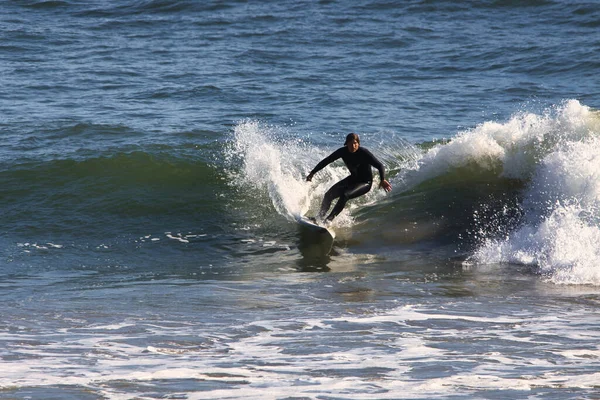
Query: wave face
{"points": [[102, 193], [556, 155], [559, 153], [528, 189], [522, 191]]}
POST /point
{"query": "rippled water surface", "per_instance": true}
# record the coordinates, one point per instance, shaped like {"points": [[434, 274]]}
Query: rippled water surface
{"points": [[154, 157]]}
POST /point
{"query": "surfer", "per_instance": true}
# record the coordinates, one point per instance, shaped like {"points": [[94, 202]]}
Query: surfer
{"points": [[359, 161]]}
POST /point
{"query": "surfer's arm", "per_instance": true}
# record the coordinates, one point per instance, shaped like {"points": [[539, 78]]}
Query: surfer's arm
{"points": [[325, 162], [375, 163], [385, 185]]}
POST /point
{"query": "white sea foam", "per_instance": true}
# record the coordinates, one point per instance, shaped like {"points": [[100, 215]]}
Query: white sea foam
{"points": [[558, 155], [516, 145], [271, 165], [303, 357]]}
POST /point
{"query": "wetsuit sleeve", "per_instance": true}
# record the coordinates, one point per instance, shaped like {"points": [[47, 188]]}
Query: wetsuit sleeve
{"points": [[327, 160], [376, 164]]}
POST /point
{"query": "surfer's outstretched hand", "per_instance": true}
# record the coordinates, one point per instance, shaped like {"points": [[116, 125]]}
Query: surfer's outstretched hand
{"points": [[386, 185], [309, 178]]}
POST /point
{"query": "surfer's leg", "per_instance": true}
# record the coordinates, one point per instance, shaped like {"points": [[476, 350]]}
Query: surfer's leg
{"points": [[334, 192], [351, 192]]}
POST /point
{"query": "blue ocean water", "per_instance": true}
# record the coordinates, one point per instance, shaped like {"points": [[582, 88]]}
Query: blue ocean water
{"points": [[154, 157]]}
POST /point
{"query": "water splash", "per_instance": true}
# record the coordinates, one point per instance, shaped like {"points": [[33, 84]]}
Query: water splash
{"points": [[517, 146], [271, 160], [560, 231], [269, 163]]}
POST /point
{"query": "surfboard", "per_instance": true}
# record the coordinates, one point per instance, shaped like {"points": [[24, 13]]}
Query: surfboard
{"points": [[310, 225], [315, 240]]}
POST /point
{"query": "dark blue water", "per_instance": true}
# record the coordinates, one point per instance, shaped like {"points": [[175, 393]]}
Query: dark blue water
{"points": [[153, 159]]}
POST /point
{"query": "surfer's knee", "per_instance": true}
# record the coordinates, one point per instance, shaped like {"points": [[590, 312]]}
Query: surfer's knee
{"points": [[329, 195]]}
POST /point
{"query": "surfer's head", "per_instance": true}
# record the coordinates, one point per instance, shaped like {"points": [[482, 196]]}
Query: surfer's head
{"points": [[352, 142]]}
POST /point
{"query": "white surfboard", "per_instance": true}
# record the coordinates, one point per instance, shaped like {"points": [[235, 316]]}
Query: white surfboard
{"points": [[315, 240], [310, 225]]}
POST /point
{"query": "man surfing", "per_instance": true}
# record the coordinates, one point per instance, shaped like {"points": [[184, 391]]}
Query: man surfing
{"points": [[359, 161]]}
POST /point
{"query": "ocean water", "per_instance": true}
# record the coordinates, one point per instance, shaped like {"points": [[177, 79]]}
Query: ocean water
{"points": [[154, 155]]}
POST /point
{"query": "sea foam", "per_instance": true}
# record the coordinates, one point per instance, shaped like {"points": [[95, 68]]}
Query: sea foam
{"points": [[558, 154]]}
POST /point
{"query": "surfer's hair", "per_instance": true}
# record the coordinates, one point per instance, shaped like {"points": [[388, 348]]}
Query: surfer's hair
{"points": [[351, 137]]}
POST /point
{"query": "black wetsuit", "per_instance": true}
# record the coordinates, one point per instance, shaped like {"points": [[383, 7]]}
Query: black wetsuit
{"points": [[357, 184]]}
